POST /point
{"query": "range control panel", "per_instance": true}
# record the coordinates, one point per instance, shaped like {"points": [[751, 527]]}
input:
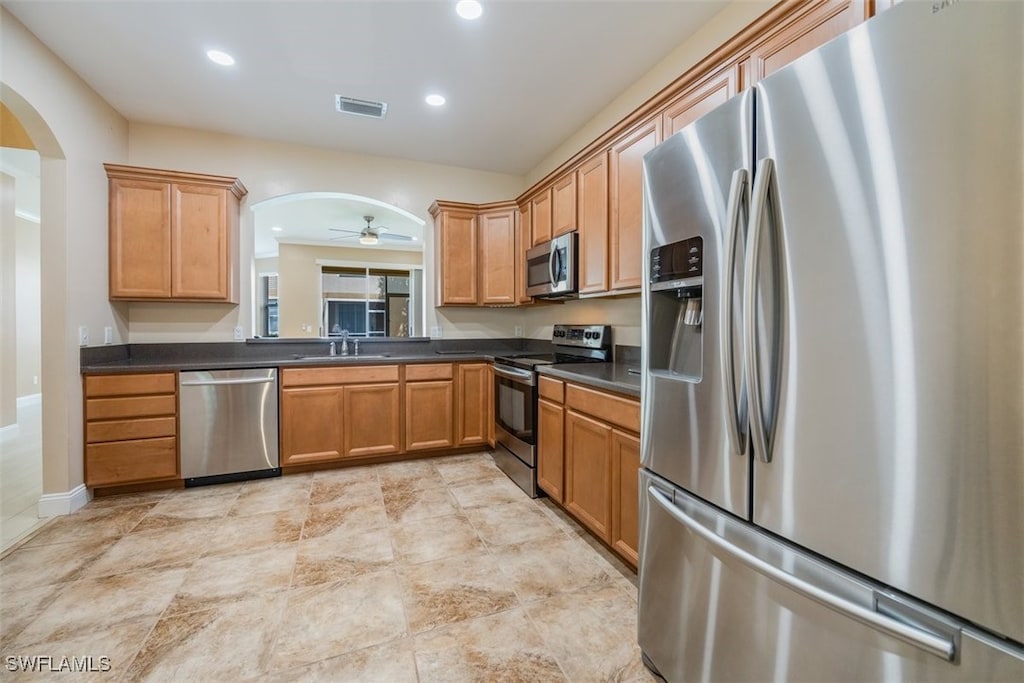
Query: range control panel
{"points": [[587, 336]]}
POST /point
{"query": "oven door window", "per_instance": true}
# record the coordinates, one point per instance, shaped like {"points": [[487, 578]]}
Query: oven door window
{"points": [[514, 408]]}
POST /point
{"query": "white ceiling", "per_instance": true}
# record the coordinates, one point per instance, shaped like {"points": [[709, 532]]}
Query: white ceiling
{"points": [[307, 218], [519, 81]]}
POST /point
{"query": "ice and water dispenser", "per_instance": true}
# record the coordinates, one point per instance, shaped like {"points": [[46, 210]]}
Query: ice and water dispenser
{"points": [[676, 313]]}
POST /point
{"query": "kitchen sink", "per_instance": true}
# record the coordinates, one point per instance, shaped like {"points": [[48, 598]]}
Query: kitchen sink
{"points": [[367, 356]]}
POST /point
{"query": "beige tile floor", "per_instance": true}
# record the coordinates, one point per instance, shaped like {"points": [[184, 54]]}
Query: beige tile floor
{"points": [[429, 570]]}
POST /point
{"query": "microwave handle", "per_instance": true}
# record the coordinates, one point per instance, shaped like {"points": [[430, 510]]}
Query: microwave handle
{"points": [[552, 255]]}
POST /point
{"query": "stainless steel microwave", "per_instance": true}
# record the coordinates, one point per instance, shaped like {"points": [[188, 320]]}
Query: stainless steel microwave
{"points": [[551, 268]]}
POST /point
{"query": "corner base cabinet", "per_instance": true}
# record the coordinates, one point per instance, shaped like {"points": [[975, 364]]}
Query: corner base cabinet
{"points": [[173, 236]]}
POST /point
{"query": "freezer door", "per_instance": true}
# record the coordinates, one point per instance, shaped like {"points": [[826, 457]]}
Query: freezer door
{"points": [[696, 186], [890, 164], [722, 601]]}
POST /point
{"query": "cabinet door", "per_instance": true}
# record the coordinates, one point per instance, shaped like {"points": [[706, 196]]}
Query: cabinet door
{"points": [[700, 99], [428, 415], [489, 403], [592, 203], [563, 204], [625, 494], [588, 448], [550, 449], [540, 210], [371, 420], [140, 239], [524, 240], [811, 29], [626, 218], [200, 258], [498, 258], [311, 422], [457, 240], [471, 413]]}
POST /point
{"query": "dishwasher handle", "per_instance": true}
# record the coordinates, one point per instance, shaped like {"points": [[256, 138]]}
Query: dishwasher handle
{"points": [[218, 382]]}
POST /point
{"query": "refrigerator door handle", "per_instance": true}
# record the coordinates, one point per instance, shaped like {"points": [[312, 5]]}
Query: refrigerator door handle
{"points": [[737, 193], [943, 647], [755, 396]]}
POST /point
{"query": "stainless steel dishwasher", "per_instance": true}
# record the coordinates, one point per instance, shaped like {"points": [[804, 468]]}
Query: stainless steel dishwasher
{"points": [[228, 425]]}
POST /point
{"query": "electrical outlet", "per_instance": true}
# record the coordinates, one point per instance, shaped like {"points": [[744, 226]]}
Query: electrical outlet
{"points": [[35, 379], [108, 335], [239, 334], [518, 330], [435, 332], [83, 335]]}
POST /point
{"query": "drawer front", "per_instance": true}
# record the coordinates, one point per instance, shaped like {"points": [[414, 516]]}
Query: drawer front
{"points": [[616, 410], [127, 462], [123, 430], [130, 385], [551, 389], [135, 406], [428, 371], [305, 377]]}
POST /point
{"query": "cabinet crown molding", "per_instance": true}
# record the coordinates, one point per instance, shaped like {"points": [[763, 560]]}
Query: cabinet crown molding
{"points": [[125, 172]]}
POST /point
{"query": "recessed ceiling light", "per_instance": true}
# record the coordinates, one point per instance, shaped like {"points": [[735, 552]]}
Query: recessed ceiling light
{"points": [[219, 57], [277, 228], [469, 9], [435, 100]]}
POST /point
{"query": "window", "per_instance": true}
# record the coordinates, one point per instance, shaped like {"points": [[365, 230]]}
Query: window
{"points": [[268, 305], [365, 302]]}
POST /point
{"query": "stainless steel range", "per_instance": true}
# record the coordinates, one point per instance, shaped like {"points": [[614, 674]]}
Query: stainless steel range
{"points": [[515, 396]]}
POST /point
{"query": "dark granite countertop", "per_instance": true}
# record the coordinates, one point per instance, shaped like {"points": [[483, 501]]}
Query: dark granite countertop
{"points": [[610, 376], [292, 353]]}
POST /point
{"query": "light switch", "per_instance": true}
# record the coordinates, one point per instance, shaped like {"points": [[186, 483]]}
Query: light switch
{"points": [[108, 335], [83, 335]]}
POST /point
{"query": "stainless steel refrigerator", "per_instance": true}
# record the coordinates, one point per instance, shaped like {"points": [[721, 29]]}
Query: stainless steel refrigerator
{"points": [[833, 387]]}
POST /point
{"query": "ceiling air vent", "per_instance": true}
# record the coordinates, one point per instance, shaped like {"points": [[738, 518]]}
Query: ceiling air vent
{"points": [[350, 105]]}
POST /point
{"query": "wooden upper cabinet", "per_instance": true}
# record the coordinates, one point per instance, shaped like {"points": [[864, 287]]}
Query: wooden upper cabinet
{"points": [[626, 201], [815, 25], [540, 212], [497, 256], [592, 205], [563, 204], [173, 236], [700, 99], [455, 236], [524, 242]]}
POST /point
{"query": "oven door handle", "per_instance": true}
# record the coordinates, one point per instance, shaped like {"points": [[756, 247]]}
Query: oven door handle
{"points": [[521, 376]]}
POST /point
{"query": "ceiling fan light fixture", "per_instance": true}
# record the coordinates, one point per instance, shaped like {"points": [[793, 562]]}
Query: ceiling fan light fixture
{"points": [[368, 238]]}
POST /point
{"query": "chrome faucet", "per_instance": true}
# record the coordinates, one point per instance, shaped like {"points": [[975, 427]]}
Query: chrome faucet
{"points": [[344, 342], [355, 346], [333, 351]]}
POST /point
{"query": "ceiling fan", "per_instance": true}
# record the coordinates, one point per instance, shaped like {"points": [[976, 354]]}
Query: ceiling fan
{"points": [[370, 234]]}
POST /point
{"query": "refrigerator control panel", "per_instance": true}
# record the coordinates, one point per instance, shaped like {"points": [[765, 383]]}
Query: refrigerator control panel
{"points": [[678, 261]]}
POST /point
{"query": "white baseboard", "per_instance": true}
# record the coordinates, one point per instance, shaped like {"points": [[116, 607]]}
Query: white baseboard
{"points": [[30, 400], [54, 504]]}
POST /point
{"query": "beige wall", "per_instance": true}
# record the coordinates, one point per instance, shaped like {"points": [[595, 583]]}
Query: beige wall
{"points": [[622, 313], [270, 169], [29, 338], [723, 26], [298, 280], [75, 131]]}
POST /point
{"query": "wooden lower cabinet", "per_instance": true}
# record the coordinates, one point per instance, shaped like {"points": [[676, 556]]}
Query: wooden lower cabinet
{"points": [[472, 415], [550, 452], [372, 420], [626, 494], [131, 428], [428, 415], [588, 446], [311, 429]]}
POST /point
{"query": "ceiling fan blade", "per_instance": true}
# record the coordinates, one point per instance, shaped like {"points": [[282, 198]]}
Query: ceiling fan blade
{"points": [[354, 232], [396, 237], [344, 237]]}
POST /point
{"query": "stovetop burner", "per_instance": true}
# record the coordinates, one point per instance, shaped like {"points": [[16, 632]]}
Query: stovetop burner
{"points": [[574, 344]]}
